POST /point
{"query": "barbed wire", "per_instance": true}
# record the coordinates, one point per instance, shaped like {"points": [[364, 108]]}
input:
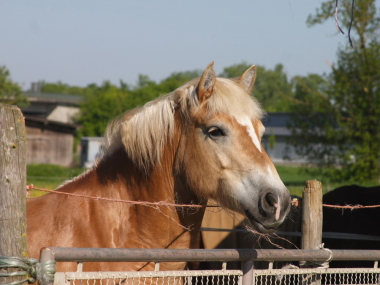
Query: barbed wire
{"points": [[351, 207], [146, 203], [295, 202]]}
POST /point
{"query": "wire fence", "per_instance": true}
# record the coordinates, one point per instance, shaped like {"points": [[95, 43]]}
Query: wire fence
{"points": [[295, 202]]}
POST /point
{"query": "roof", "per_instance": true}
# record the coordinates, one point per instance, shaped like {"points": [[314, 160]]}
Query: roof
{"points": [[50, 125], [53, 97]]}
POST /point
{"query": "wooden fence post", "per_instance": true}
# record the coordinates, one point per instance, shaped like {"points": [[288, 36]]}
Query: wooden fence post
{"points": [[312, 215], [12, 185]]}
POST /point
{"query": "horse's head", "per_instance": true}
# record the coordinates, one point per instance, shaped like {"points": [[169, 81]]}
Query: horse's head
{"points": [[220, 151]]}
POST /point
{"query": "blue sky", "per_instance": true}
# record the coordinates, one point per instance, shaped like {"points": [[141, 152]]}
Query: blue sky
{"points": [[88, 41]]}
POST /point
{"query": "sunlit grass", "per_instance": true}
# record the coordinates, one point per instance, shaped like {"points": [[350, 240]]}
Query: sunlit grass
{"points": [[48, 176]]}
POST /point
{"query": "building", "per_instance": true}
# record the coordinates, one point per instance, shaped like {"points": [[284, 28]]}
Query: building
{"points": [[275, 139], [90, 147], [50, 128]]}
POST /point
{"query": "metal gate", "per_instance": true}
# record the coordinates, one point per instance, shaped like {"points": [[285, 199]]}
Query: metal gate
{"points": [[246, 275]]}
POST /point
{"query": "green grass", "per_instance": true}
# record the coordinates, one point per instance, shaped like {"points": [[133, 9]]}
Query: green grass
{"points": [[47, 176], [295, 177]]}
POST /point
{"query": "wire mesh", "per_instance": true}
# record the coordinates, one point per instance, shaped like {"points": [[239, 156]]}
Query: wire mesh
{"points": [[317, 276], [196, 277]]}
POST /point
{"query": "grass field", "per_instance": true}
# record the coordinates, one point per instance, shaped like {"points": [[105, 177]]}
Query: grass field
{"points": [[48, 176]]}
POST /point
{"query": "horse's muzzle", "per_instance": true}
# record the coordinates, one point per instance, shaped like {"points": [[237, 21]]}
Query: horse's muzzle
{"points": [[271, 212]]}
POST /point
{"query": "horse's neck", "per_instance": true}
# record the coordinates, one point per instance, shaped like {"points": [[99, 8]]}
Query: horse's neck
{"points": [[117, 172]]}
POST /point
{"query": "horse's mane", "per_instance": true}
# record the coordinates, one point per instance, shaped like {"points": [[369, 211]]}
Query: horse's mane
{"points": [[144, 131]]}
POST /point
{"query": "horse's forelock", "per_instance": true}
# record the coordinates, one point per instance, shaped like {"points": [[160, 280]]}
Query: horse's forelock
{"points": [[144, 132], [231, 99]]}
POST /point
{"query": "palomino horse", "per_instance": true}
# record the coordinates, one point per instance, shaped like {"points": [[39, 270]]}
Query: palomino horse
{"points": [[200, 142]]}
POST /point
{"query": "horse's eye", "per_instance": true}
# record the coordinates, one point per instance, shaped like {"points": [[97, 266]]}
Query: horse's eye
{"points": [[215, 132]]}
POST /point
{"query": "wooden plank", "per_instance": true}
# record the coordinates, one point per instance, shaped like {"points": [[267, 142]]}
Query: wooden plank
{"points": [[12, 185]]}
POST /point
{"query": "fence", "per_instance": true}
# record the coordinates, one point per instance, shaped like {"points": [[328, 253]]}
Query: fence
{"points": [[247, 274], [12, 180]]}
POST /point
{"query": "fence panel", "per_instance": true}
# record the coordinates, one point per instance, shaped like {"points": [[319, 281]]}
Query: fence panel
{"points": [[247, 275]]}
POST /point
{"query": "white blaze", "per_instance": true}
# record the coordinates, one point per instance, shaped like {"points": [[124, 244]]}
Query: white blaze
{"points": [[246, 122]]}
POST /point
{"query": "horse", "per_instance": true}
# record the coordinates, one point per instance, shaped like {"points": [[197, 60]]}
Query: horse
{"points": [[199, 142]]}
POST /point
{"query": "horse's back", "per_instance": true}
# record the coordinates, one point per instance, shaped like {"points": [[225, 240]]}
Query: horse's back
{"points": [[353, 194]]}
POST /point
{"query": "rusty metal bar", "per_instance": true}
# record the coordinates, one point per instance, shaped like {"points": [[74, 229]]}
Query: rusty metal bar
{"points": [[156, 255], [63, 254]]}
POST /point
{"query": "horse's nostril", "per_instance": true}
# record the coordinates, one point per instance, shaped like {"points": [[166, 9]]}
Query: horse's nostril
{"points": [[270, 199]]}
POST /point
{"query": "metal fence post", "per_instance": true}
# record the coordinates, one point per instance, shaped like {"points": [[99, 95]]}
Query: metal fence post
{"points": [[47, 267], [247, 268]]}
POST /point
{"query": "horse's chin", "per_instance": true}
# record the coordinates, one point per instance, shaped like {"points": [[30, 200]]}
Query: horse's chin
{"points": [[260, 228], [257, 225]]}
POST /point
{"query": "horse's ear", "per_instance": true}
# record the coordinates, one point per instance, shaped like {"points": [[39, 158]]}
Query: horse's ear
{"points": [[247, 80], [206, 83]]}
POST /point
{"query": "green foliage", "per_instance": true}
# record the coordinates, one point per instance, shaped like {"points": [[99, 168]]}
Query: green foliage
{"points": [[272, 89], [235, 70], [100, 105], [366, 20], [336, 122], [271, 140], [356, 98], [103, 103], [10, 92], [61, 88]]}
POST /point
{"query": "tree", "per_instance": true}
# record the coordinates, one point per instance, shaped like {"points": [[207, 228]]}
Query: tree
{"points": [[364, 17], [61, 88], [337, 124], [100, 105], [10, 92]]}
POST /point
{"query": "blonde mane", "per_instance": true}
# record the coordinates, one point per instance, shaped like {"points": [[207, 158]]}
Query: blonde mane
{"points": [[144, 131]]}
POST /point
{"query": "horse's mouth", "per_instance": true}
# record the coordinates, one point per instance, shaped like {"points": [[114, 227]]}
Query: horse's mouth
{"points": [[257, 224]]}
